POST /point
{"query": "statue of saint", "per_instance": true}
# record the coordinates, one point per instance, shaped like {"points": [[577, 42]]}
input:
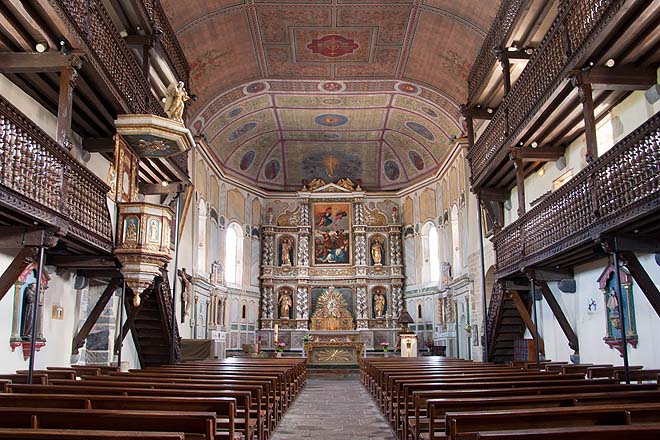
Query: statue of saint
{"points": [[287, 244], [285, 304], [186, 292], [27, 311], [175, 101], [379, 303], [377, 252]]}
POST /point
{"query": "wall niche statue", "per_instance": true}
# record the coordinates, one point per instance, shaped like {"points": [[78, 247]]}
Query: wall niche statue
{"points": [[379, 302], [377, 249], [25, 306], [607, 284], [286, 245], [285, 303]]}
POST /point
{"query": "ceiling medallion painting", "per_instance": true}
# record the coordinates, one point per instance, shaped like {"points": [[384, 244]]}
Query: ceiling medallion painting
{"points": [[332, 46], [295, 130]]}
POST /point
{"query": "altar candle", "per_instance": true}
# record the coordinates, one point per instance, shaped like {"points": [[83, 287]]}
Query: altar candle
{"points": [[277, 328]]}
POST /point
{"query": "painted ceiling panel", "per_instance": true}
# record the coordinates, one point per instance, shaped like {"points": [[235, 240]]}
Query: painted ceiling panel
{"points": [[379, 81]]}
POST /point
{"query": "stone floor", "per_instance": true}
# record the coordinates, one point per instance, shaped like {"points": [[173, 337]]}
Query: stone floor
{"points": [[333, 409]]}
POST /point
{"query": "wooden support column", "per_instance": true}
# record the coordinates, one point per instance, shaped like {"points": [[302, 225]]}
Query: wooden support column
{"points": [[518, 163], [501, 55], [28, 240], [643, 279], [79, 339], [22, 260], [527, 319], [585, 93], [469, 122], [573, 341], [68, 77]]}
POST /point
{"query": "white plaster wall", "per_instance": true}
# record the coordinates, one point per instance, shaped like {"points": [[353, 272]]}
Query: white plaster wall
{"points": [[590, 327]]}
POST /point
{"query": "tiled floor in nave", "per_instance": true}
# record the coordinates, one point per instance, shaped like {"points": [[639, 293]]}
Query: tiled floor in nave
{"points": [[333, 409]]}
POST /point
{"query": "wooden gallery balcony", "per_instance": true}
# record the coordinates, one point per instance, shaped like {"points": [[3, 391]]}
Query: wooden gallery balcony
{"points": [[564, 87], [618, 194], [42, 184]]}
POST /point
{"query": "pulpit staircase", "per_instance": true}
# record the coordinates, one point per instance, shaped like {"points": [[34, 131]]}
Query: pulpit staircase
{"points": [[505, 325], [150, 324]]}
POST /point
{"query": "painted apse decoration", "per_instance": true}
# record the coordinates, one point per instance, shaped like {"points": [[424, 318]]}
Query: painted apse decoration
{"points": [[25, 307], [607, 285], [332, 233]]}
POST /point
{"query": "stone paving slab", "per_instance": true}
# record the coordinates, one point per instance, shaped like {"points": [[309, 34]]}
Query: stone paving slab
{"points": [[333, 409]]}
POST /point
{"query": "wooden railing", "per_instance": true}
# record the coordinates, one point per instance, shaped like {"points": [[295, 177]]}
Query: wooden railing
{"points": [[108, 53], [164, 298], [577, 24], [494, 315], [41, 180], [497, 35], [168, 41], [619, 187]]}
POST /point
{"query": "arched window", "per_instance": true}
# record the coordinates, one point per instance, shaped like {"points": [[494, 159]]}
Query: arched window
{"points": [[244, 312], [201, 236], [434, 260], [455, 242], [419, 312], [430, 249], [234, 254]]}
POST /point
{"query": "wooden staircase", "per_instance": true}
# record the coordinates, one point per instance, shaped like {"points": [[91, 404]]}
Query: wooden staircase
{"points": [[150, 324], [505, 325]]}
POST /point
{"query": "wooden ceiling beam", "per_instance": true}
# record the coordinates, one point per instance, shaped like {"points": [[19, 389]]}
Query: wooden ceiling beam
{"points": [[40, 30], [18, 62], [481, 113], [12, 29], [99, 145], [541, 154], [625, 77], [157, 188], [496, 194], [82, 261]]}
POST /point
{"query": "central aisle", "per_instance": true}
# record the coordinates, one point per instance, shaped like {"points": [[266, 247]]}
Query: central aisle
{"points": [[333, 409]]}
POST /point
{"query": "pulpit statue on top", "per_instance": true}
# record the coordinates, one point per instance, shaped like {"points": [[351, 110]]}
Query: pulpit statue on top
{"points": [[332, 312]]}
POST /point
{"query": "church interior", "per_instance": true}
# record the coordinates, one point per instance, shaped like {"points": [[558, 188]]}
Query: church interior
{"points": [[361, 219]]}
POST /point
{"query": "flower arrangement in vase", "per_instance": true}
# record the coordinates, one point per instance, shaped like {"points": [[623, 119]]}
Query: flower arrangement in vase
{"points": [[280, 348], [385, 345]]}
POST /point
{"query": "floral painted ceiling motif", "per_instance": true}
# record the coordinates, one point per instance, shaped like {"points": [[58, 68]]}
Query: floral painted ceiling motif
{"points": [[416, 51]]}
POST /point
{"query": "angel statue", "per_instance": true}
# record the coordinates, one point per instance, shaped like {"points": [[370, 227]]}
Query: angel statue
{"points": [[174, 101]]}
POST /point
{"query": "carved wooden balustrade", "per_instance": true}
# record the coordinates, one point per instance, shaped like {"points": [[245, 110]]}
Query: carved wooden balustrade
{"points": [[168, 41], [106, 50], [494, 314], [39, 179], [621, 186], [498, 34], [577, 24], [165, 307]]}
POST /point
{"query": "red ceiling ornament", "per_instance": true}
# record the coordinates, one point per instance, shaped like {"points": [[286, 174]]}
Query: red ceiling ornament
{"points": [[332, 46]]}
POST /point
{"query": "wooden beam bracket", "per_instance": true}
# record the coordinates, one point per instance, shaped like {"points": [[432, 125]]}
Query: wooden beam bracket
{"points": [[643, 279], [79, 339], [624, 77], [26, 62]]}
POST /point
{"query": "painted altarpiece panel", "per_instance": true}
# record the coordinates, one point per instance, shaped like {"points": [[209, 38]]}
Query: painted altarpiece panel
{"points": [[332, 234]]}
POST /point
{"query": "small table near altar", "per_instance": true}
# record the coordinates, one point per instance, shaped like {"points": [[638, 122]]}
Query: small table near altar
{"points": [[338, 353]]}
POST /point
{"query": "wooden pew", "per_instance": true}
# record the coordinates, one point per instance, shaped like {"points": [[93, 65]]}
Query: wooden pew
{"points": [[52, 374], [418, 411], [638, 375], [195, 425], [223, 407], [84, 434], [596, 372], [23, 378], [160, 391], [637, 432], [460, 425]]}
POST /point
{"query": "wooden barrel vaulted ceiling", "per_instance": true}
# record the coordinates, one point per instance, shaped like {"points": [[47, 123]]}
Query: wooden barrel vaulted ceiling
{"points": [[364, 89]]}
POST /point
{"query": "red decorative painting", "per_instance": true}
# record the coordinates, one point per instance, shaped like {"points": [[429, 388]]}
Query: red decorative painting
{"points": [[332, 46]]}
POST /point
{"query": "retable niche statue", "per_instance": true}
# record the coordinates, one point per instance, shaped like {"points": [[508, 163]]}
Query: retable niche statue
{"points": [[175, 101], [285, 305], [379, 303], [377, 252]]}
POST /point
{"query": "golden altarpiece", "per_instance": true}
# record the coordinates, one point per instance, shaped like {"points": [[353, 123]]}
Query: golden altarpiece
{"points": [[331, 268]]}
